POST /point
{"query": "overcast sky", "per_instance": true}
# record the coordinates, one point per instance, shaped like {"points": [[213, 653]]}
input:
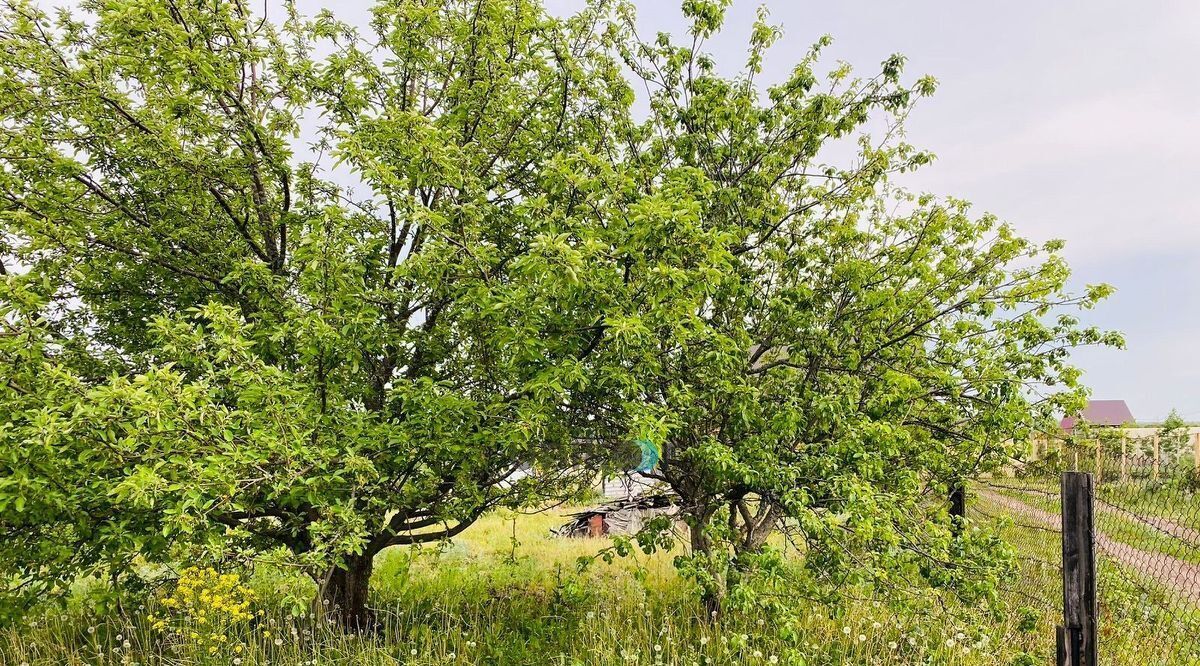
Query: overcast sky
{"points": [[1072, 119]]}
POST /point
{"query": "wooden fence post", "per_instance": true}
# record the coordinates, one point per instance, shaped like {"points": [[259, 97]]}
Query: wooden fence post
{"points": [[1064, 658], [1196, 452], [1156, 456], [1124, 458], [1078, 632], [958, 505], [1099, 461]]}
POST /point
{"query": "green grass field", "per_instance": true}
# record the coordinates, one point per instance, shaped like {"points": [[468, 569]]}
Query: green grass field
{"points": [[491, 597]]}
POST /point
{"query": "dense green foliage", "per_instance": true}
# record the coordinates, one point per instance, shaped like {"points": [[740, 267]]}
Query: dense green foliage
{"points": [[834, 352], [212, 342], [483, 279]]}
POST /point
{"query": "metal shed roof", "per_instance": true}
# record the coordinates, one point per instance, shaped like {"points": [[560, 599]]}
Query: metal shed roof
{"points": [[1101, 412]]}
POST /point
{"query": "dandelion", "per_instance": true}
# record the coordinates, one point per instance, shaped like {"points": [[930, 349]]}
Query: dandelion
{"points": [[846, 630], [876, 625], [413, 652], [657, 647], [704, 640], [773, 659], [950, 642], [758, 654], [862, 638], [892, 645], [278, 641]]}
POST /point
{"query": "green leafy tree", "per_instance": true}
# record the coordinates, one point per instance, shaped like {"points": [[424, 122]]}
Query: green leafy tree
{"points": [[208, 340], [257, 300], [1173, 439], [824, 353]]}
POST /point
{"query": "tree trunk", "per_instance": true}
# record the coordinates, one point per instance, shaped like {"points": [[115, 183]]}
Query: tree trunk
{"points": [[752, 536], [756, 532], [714, 603], [344, 594], [712, 591]]}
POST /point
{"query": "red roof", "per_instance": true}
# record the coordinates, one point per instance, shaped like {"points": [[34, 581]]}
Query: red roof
{"points": [[1101, 412]]}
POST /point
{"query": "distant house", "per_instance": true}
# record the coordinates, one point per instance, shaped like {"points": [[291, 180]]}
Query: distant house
{"points": [[1102, 413]]}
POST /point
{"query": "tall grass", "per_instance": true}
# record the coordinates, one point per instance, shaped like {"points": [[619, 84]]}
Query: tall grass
{"points": [[507, 593]]}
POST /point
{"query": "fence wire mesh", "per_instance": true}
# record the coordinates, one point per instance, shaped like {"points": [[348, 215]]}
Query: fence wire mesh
{"points": [[1035, 537], [1146, 510]]}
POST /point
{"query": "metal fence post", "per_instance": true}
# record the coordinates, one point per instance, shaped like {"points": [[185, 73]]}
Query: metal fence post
{"points": [[1077, 640]]}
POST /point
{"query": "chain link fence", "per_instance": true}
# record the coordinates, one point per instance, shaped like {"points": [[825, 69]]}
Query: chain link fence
{"points": [[1146, 535]]}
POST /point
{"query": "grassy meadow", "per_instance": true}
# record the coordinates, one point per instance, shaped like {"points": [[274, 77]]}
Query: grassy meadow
{"points": [[506, 592]]}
